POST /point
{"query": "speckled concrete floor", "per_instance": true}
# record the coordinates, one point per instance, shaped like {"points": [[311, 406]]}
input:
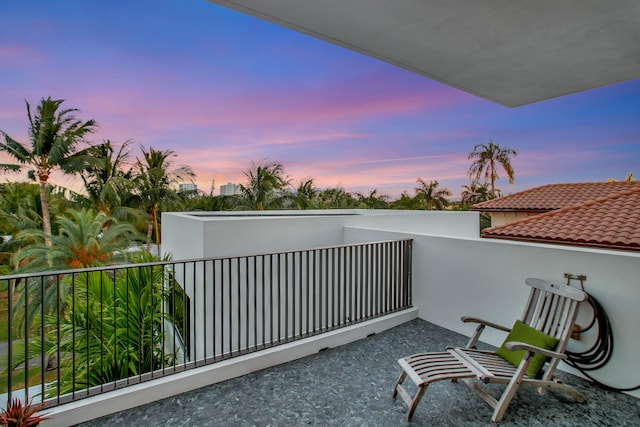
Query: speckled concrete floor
{"points": [[351, 386]]}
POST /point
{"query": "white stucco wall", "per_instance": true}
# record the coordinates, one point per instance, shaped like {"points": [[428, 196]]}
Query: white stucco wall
{"points": [[438, 223], [485, 278], [187, 236], [455, 272], [500, 218], [205, 235]]}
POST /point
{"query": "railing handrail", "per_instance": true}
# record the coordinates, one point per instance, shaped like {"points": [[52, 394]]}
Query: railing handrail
{"points": [[190, 260], [187, 313]]}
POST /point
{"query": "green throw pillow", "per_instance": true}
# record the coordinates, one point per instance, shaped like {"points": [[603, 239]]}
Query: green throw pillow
{"points": [[522, 332]]}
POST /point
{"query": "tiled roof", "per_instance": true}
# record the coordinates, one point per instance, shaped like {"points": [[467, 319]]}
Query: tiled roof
{"points": [[609, 222], [555, 196]]}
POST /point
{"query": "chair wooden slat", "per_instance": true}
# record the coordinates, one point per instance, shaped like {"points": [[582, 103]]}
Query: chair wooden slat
{"points": [[547, 310], [550, 326]]}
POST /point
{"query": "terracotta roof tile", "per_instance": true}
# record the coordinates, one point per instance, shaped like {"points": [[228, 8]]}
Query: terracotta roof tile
{"points": [[608, 222], [555, 196]]}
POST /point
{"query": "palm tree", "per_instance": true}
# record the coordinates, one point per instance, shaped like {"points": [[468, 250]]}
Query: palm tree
{"points": [[336, 198], [85, 239], [486, 159], [306, 194], [55, 135], [113, 327], [265, 186], [20, 207], [407, 202], [108, 178], [372, 201], [206, 202], [82, 241], [474, 193], [431, 195], [116, 330], [155, 180]]}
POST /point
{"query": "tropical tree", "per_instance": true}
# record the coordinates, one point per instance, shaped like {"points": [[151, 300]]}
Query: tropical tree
{"points": [[486, 159], [55, 135], [337, 198], [83, 240], [473, 193], [205, 202], [431, 195], [108, 178], [306, 194], [265, 187], [407, 202], [155, 182], [372, 200], [114, 327], [20, 207]]}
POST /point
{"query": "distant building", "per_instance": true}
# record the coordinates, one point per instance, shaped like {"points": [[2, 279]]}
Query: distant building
{"points": [[187, 188], [228, 189]]}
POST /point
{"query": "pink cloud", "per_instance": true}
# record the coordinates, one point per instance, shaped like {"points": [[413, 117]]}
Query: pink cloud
{"points": [[19, 55], [154, 106], [341, 102]]}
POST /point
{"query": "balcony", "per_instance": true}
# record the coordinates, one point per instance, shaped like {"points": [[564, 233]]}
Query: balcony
{"points": [[264, 299], [351, 385]]}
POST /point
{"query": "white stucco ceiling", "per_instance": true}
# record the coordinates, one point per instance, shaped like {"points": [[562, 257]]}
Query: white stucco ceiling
{"points": [[513, 52]]}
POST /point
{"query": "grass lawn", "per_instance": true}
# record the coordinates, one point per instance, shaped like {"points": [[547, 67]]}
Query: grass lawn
{"points": [[18, 378], [18, 375]]}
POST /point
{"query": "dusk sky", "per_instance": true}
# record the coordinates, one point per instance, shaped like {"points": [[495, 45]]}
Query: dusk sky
{"points": [[223, 90]]}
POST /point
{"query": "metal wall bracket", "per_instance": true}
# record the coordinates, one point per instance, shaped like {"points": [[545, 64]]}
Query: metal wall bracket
{"points": [[573, 276]]}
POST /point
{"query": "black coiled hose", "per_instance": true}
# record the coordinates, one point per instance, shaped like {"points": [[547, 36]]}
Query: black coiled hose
{"points": [[599, 354]]}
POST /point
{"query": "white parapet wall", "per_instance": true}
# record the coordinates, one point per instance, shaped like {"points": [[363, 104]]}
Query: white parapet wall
{"points": [[189, 235], [455, 272], [207, 235]]}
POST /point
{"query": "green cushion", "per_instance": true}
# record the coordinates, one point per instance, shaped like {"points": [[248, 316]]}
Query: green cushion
{"points": [[522, 332]]}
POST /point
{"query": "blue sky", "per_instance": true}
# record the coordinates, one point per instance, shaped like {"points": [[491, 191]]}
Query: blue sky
{"points": [[224, 90]]}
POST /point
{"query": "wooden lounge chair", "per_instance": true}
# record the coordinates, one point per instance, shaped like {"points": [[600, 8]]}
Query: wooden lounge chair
{"points": [[547, 321]]}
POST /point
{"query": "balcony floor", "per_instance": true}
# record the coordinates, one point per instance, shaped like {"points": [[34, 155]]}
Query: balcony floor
{"points": [[351, 385]]}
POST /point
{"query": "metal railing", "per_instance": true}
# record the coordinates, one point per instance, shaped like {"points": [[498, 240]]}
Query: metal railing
{"points": [[76, 333]]}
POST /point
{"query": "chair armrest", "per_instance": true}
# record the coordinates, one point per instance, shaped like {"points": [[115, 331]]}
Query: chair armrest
{"points": [[516, 345], [468, 319]]}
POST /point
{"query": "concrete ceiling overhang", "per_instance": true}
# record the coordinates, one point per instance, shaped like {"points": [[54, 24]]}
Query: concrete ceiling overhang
{"points": [[513, 52]]}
